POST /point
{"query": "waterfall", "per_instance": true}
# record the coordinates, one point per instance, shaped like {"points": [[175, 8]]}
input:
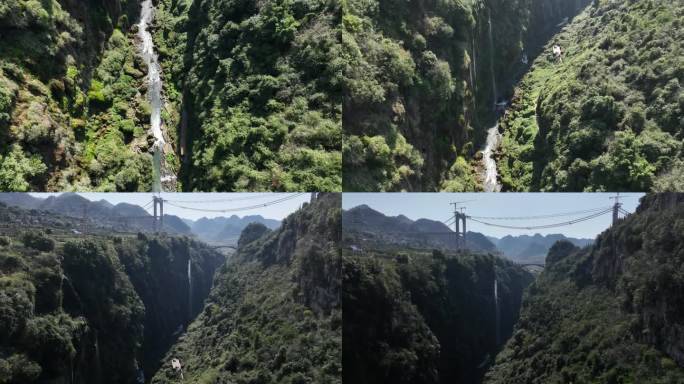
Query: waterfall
{"points": [[471, 71], [140, 374], [491, 60], [98, 365], [61, 291], [156, 170], [497, 312], [189, 289], [490, 172], [473, 62], [154, 89], [474, 58]]}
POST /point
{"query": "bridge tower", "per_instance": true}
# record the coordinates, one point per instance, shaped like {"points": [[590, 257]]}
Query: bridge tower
{"points": [[161, 214], [457, 222], [158, 220], [459, 226], [154, 222], [616, 211], [463, 235], [84, 227], [616, 207]]}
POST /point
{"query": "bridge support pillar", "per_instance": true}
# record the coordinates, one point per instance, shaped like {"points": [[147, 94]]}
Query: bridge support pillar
{"points": [[158, 223], [154, 223], [460, 229], [161, 214]]}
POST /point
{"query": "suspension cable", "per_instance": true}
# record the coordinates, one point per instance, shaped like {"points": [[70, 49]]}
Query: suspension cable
{"points": [[575, 221], [549, 216], [290, 197], [227, 200]]}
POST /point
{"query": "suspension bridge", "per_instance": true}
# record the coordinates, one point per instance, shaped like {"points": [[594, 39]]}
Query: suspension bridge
{"points": [[224, 246], [157, 204], [88, 224], [459, 219]]}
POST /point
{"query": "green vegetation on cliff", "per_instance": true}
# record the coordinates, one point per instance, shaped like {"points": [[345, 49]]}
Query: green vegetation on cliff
{"points": [[420, 82], [72, 109], [610, 116], [609, 313], [256, 86], [417, 316], [273, 315], [92, 309]]}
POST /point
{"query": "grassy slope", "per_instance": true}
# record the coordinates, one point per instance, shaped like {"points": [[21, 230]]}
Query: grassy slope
{"points": [[273, 315], [611, 113], [598, 317]]}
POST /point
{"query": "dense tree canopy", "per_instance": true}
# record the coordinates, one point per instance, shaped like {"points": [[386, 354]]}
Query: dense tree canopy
{"points": [[73, 112], [420, 81], [254, 87], [92, 309], [610, 115], [260, 89]]}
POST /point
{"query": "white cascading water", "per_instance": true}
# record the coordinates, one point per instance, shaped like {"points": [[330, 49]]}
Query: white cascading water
{"points": [[493, 137], [189, 288], [98, 363], [154, 89], [474, 60], [497, 313], [491, 61], [140, 374], [491, 183]]}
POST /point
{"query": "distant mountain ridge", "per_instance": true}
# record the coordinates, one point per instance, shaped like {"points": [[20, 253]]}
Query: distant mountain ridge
{"points": [[533, 249], [400, 230], [71, 204], [227, 228], [219, 229]]}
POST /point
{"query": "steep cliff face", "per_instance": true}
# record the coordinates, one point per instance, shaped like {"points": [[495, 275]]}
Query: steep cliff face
{"points": [[647, 271], [172, 276], [273, 315], [611, 312], [425, 317], [94, 309], [421, 82]]}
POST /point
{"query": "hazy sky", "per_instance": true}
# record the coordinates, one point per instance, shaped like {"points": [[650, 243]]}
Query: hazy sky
{"points": [[436, 206], [206, 201]]}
